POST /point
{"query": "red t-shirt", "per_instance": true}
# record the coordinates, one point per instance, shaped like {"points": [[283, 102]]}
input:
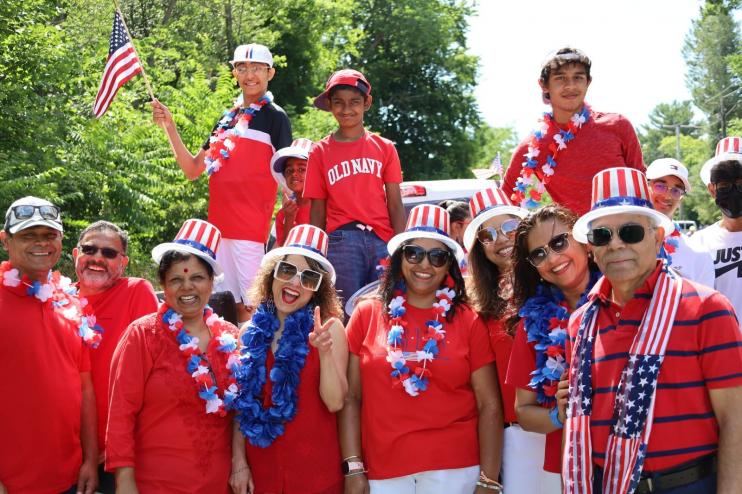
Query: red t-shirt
{"points": [[502, 345], [606, 140], [41, 358], [522, 364], [302, 218], [350, 176], [704, 352], [127, 300], [437, 429], [157, 423]]}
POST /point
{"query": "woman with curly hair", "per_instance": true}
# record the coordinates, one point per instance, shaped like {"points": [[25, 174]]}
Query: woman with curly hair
{"points": [[423, 413], [552, 275], [291, 374]]}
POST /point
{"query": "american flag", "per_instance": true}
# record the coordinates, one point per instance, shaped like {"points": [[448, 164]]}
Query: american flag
{"points": [[496, 165], [123, 64]]}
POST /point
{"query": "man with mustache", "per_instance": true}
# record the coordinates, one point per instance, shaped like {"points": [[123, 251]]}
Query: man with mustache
{"points": [[100, 260]]}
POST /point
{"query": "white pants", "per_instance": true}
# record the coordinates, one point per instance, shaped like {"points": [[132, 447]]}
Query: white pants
{"points": [[523, 464], [450, 481], [240, 260]]}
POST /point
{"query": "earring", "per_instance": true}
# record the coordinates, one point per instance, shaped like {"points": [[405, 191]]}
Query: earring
{"points": [[270, 306]]}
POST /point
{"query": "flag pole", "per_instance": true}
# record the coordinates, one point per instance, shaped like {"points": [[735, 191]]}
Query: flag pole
{"points": [[144, 74]]}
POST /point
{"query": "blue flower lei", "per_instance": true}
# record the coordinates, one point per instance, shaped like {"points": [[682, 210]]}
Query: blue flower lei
{"points": [[545, 316], [262, 426]]}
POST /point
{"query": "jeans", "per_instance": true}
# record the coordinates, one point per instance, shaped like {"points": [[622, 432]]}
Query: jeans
{"points": [[706, 485], [354, 254]]}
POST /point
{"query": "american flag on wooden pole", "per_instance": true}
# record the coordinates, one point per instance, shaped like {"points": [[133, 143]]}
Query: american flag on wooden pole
{"points": [[123, 63]]}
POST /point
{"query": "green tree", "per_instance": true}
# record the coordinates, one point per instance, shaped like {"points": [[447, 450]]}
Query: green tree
{"points": [[489, 141], [665, 120]]}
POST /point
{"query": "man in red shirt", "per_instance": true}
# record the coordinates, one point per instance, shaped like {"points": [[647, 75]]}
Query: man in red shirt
{"points": [[652, 354], [47, 420], [100, 260]]}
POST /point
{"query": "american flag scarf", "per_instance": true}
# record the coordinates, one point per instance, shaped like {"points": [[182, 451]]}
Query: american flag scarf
{"points": [[634, 407]]}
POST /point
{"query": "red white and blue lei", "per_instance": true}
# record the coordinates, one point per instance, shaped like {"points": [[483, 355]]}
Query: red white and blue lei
{"points": [[62, 294], [670, 245], [221, 142], [530, 187], [196, 363], [261, 426], [417, 381]]}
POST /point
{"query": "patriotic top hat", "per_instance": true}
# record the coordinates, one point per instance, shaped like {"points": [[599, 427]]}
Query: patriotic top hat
{"points": [[617, 191], [427, 221], [197, 237], [729, 148], [304, 240], [486, 204], [298, 149]]}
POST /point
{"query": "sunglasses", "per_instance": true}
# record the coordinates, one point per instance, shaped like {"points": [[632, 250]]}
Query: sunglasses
{"points": [[414, 254], [489, 234], [663, 188], [309, 278], [630, 233], [558, 243], [107, 252], [24, 212]]}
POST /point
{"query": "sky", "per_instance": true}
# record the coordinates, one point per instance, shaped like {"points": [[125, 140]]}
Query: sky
{"points": [[635, 47]]}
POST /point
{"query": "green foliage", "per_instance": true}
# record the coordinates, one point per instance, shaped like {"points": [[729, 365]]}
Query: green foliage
{"points": [[662, 122], [492, 140]]}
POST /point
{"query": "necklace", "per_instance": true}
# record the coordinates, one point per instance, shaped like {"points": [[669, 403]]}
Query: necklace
{"points": [[416, 382], [531, 184], [221, 142], [260, 425], [670, 245], [197, 364], [63, 297]]}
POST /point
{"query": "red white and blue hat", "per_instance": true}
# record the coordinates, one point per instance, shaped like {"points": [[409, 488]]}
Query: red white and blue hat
{"points": [[304, 240], [298, 149], [197, 237], [727, 149], [344, 77], [252, 53], [486, 204], [427, 221], [617, 191]]}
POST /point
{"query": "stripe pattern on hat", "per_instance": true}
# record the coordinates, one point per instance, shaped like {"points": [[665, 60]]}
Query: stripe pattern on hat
{"points": [[427, 217], [616, 184], [308, 237], [200, 235], [302, 143], [729, 145], [486, 199]]}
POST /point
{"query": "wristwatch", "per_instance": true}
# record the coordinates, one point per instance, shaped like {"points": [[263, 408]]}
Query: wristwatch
{"points": [[352, 466]]}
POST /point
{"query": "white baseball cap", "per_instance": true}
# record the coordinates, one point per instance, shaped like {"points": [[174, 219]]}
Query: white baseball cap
{"points": [[668, 166], [252, 53], [31, 211]]}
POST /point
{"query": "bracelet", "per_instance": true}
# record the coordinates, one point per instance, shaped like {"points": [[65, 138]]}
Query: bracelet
{"points": [[494, 487], [352, 456], [239, 470], [554, 416], [355, 472]]}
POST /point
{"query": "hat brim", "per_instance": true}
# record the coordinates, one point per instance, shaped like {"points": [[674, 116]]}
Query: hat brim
{"points": [[710, 164], [288, 250], [686, 183], [400, 238], [278, 162], [582, 226], [470, 234], [322, 101], [350, 304], [31, 222], [160, 250]]}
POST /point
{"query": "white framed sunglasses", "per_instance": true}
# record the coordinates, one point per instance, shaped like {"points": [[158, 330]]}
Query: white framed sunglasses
{"points": [[308, 278]]}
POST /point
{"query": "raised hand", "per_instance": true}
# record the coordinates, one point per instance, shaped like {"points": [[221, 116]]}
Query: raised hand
{"points": [[288, 206], [320, 338], [161, 115]]}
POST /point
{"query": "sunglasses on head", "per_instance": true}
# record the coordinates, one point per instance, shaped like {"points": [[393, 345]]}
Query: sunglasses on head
{"points": [[24, 212], [558, 243], [489, 234], [437, 257], [630, 233], [663, 188], [309, 278], [91, 250]]}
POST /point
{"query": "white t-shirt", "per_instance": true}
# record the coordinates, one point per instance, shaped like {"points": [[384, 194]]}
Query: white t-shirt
{"points": [[725, 249], [692, 262]]}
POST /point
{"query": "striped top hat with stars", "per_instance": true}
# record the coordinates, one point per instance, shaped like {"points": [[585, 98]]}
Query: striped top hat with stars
{"points": [[617, 191], [727, 149], [304, 240], [197, 237], [487, 204], [298, 149], [427, 221]]}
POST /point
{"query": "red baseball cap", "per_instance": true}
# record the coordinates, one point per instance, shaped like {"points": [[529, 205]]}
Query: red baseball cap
{"points": [[345, 77]]}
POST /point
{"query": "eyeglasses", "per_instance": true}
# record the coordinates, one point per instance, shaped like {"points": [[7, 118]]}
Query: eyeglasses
{"points": [[24, 212], [663, 188], [489, 234], [414, 254], [107, 252], [309, 278], [630, 233], [250, 69], [558, 243]]}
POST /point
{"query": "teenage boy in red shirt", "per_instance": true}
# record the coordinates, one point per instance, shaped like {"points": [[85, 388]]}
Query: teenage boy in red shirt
{"points": [[353, 179]]}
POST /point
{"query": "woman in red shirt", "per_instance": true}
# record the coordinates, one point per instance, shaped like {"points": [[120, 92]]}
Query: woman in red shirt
{"points": [[552, 275], [423, 413], [292, 374]]}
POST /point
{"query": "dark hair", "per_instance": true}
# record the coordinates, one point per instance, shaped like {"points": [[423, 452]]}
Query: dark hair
{"points": [[392, 279], [175, 256], [484, 279], [564, 56], [457, 210], [326, 297], [102, 225], [725, 170], [339, 87]]}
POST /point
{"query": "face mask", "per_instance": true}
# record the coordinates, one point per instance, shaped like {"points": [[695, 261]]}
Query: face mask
{"points": [[729, 201]]}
